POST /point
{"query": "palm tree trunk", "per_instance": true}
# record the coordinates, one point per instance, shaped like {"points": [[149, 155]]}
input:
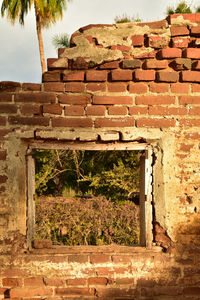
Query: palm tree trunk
{"points": [[40, 40]]}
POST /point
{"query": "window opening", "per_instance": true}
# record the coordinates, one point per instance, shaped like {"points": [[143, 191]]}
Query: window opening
{"points": [[90, 195]]}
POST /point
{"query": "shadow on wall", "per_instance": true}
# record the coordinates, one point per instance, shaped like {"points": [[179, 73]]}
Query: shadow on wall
{"points": [[140, 276]]}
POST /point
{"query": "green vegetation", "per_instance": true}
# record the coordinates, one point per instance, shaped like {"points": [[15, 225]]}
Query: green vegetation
{"points": [[126, 19], [95, 187], [82, 221], [61, 41], [113, 174], [46, 13], [182, 8]]}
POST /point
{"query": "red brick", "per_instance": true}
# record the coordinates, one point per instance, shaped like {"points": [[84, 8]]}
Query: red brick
{"points": [[97, 281], [189, 122], [33, 281], [57, 63], [122, 259], [180, 42], [51, 76], [77, 281], [4, 97], [94, 75], [182, 64], [190, 76], [75, 122], [2, 121], [10, 86], [75, 87], [3, 155], [117, 87], [95, 110], [138, 110], [165, 76], [120, 270], [159, 87], [195, 30], [117, 110], [2, 291], [185, 148], [55, 109], [3, 178], [100, 258], [112, 100], [31, 109], [54, 282], [155, 25], [170, 53], [191, 291], [194, 111], [145, 75], [180, 88], [110, 65], [146, 54], [4, 132], [54, 87], [155, 64], [192, 53], [75, 110], [117, 293], [195, 88], [125, 281], [95, 87], [75, 100], [157, 42], [189, 100], [196, 65], [2, 190], [158, 123], [155, 100], [30, 292], [12, 282], [114, 122], [39, 121], [179, 30], [137, 40], [138, 88], [31, 87], [8, 108], [75, 34], [122, 75], [80, 64], [75, 291], [162, 111], [131, 63], [73, 76], [35, 97], [121, 48], [194, 17]]}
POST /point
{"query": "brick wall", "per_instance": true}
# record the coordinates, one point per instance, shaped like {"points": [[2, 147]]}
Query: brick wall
{"points": [[117, 83]]}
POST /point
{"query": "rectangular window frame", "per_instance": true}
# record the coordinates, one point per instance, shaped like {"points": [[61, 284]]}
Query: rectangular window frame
{"points": [[146, 181]]}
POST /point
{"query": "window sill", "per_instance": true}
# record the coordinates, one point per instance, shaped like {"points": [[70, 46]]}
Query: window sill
{"points": [[110, 249]]}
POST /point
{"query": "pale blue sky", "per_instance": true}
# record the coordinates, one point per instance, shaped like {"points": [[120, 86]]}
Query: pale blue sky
{"points": [[19, 54]]}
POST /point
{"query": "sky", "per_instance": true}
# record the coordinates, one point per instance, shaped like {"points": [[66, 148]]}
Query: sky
{"points": [[19, 53]]}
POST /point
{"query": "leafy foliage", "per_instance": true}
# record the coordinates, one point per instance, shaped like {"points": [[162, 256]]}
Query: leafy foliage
{"points": [[114, 174], [182, 8], [61, 41], [81, 221]]}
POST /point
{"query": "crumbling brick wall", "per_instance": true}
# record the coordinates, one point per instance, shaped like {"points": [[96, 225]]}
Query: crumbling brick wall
{"points": [[117, 83]]}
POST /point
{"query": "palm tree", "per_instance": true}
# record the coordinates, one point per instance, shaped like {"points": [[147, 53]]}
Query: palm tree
{"points": [[47, 12]]}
